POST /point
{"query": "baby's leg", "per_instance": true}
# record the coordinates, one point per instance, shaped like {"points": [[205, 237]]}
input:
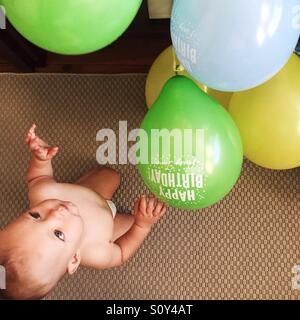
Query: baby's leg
{"points": [[104, 181]]}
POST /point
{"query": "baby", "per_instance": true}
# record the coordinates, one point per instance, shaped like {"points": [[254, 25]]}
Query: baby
{"points": [[69, 225]]}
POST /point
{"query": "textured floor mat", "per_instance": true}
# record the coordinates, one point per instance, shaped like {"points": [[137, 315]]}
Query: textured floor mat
{"points": [[243, 247]]}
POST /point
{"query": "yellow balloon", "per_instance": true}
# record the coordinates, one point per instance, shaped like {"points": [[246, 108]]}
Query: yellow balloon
{"points": [[269, 119], [163, 69], [222, 97]]}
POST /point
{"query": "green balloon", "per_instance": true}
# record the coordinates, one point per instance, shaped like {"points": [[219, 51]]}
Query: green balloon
{"points": [[202, 160], [71, 26]]}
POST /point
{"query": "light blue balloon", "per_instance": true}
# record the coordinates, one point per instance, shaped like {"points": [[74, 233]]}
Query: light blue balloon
{"points": [[234, 45]]}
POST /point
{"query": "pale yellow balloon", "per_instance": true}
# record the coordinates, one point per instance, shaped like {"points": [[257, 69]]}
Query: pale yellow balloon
{"points": [[163, 69], [269, 119]]}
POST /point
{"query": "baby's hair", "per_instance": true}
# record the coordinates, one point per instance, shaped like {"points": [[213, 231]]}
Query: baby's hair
{"points": [[21, 284]]}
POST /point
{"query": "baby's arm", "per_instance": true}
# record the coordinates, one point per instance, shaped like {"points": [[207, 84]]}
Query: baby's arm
{"points": [[41, 155], [147, 211], [40, 171]]}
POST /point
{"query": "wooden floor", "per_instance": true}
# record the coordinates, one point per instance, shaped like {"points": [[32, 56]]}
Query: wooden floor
{"points": [[133, 52]]}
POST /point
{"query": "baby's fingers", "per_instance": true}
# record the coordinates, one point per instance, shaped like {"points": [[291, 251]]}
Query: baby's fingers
{"points": [[32, 129], [33, 144], [30, 134], [27, 137], [39, 151], [158, 209], [136, 205], [161, 212], [150, 205], [143, 204], [52, 151]]}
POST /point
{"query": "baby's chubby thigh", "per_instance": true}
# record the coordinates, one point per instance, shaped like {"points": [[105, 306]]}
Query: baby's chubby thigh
{"points": [[103, 181]]}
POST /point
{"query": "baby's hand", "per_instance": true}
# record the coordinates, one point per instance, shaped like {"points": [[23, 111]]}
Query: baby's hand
{"points": [[148, 210], [39, 148]]}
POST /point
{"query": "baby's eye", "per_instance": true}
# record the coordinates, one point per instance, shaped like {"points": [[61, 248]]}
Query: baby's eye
{"points": [[60, 235], [35, 215]]}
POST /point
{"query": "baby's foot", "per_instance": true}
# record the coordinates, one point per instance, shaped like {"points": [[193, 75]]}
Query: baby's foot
{"points": [[38, 147]]}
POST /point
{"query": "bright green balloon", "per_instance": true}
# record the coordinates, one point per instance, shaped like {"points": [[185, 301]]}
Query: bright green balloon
{"points": [[211, 158], [71, 26]]}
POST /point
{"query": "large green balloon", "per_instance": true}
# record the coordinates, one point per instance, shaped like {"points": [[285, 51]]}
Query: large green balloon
{"points": [[71, 26], [212, 156]]}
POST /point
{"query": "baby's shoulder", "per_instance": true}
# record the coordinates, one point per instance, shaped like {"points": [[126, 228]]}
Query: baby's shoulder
{"points": [[43, 188]]}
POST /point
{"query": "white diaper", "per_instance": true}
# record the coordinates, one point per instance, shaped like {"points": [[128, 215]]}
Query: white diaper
{"points": [[113, 207]]}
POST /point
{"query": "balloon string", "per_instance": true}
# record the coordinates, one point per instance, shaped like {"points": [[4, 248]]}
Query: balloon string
{"points": [[177, 66]]}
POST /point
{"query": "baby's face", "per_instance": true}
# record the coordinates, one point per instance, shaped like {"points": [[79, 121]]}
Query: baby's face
{"points": [[51, 233]]}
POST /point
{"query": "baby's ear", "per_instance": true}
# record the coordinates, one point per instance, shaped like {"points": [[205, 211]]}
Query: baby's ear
{"points": [[74, 263]]}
